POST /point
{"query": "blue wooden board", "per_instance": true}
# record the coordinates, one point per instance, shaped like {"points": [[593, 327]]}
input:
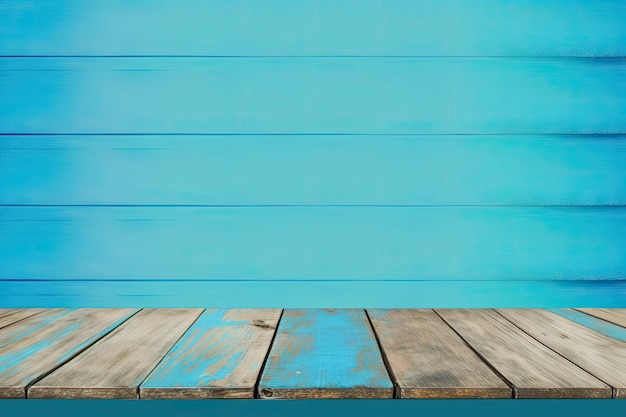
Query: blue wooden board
{"points": [[313, 27], [287, 243], [313, 170], [314, 294], [325, 354], [313, 95], [220, 356], [601, 326]]}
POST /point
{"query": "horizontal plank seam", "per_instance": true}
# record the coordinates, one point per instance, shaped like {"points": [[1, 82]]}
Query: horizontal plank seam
{"points": [[138, 389], [257, 383], [613, 389], [36, 380], [396, 386], [26, 134], [514, 392]]}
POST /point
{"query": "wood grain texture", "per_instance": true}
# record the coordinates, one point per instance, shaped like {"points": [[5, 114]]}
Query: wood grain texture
{"points": [[32, 347], [312, 170], [534, 370], [325, 354], [9, 316], [427, 359], [613, 315], [220, 356], [591, 322], [600, 355], [115, 366], [314, 27], [297, 243], [313, 95], [312, 293]]}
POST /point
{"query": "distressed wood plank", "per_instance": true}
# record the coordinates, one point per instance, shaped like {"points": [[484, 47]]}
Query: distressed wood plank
{"points": [[613, 315], [41, 343], [296, 243], [314, 27], [220, 356], [534, 370], [600, 355], [313, 95], [591, 322], [285, 169], [427, 359], [325, 354], [116, 365], [312, 293], [9, 316]]}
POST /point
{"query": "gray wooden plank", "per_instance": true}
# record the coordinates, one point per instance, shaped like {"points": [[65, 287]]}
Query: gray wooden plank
{"points": [[31, 348], [534, 370], [613, 315], [220, 356], [427, 359], [116, 365], [325, 354], [600, 355], [9, 316]]}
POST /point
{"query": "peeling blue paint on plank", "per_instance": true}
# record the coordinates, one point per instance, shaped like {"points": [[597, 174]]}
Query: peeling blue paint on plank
{"points": [[37, 345], [314, 27], [313, 243], [313, 170], [313, 95], [599, 325], [220, 355], [324, 353]]}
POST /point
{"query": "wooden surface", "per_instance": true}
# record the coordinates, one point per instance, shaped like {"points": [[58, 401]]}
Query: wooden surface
{"points": [[116, 365], [612, 315], [427, 359], [315, 27], [312, 96], [8, 316], [220, 356], [592, 322], [307, 353], [600, 355], [313, 243], [325, 354], [285, 169], [534, 370], [32, 347]]}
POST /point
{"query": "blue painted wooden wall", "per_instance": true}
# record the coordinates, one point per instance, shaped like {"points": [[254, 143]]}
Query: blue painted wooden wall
{"points": [[339, 142]]}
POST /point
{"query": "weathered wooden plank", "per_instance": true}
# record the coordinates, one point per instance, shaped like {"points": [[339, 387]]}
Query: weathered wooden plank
{"points": [[591, 322], [427, 359], [314, 27], [312, 293], [220, 356], [116, 365], [41, 343], [325, 354], [9, 316], [295, 243], [613, 315], [600, 355], [313, 95], [534, 370], [275, 169]]}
